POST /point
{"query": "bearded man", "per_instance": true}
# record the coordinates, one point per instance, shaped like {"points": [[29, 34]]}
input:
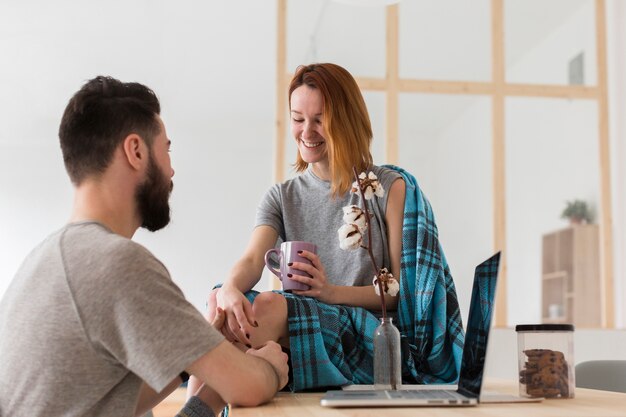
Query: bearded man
{"points": [[92, 324]]}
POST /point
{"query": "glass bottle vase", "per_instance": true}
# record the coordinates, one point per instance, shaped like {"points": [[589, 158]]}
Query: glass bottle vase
{"points": [[387, 361]]}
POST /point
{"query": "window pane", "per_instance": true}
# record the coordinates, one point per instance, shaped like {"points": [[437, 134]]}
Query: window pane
{"points": [[375, 102], [327, 31], [291, 150], [445, 40], [445, 141], [551, 158], [550, 41]]}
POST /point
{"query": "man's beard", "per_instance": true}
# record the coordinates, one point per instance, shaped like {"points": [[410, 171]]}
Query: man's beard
{"points": [[153, 199]]}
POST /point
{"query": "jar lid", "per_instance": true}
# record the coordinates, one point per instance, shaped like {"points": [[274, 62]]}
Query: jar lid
{"points": [[544, 328]]}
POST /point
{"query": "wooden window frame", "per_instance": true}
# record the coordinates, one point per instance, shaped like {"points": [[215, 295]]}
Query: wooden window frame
{"points": [[498, 89]]}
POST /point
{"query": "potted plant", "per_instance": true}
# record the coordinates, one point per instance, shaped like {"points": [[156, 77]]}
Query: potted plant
{"points": [[578, 212]]}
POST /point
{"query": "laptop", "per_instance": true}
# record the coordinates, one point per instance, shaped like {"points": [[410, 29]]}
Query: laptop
{"points": [[468, 391]]}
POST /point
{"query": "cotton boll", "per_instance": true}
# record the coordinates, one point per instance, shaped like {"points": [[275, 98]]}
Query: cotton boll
{"points": [[353, 211], [369, 193], [393, 287], [354, 215], [349, 237], [355, 187], [389, 283], [375, 283]]}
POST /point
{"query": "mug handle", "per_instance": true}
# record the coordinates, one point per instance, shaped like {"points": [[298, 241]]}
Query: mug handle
{"points": [[267, 262]]}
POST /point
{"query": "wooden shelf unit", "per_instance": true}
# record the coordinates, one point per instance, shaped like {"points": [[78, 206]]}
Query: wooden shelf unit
{"points": [[571, 281]]}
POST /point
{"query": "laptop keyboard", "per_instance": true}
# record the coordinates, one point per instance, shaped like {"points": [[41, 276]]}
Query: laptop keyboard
{"points": [[426, 394]]}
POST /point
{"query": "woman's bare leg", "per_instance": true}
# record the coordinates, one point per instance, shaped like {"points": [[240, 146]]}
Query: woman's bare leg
{"points": [[270, 310]]}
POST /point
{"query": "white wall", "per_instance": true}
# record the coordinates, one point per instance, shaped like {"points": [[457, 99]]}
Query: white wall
{"points": [[552, 157], [212, 65], [454, 169], [547, 62]]}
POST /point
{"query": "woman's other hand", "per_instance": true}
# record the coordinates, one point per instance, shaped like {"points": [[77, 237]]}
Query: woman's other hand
{"points": [[238, 315], [320, 288]]}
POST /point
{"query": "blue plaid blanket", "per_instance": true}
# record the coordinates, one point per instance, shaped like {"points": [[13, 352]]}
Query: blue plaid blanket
{"points": [[428, 308], [331, 345]]}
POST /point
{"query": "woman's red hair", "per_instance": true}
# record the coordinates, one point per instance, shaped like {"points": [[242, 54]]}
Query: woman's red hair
{"points": [[345, 121]]}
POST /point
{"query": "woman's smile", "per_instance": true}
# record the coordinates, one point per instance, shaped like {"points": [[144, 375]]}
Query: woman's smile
{"points": [[311, 145]]}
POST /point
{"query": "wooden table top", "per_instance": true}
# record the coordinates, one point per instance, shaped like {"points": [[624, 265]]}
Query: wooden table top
{"points": [[587, 403]]}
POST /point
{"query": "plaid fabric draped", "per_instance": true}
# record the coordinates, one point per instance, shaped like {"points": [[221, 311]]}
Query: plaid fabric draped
{"points": [[428, 308], [331, 345]]}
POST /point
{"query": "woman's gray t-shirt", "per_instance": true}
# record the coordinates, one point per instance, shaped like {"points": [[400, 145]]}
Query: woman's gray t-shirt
{"points": [[303, 209]]}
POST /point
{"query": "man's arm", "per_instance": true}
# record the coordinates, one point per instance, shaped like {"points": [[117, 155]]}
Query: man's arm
{"points": [[148, 398], [206, 402], [230, 377], [246, 379]]}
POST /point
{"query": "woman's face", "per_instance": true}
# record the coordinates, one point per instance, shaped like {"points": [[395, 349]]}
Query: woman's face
{"points": [[306, 124]]}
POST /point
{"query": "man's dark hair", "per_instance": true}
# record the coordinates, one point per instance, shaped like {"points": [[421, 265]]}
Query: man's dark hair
{"points": [[98, 118]]}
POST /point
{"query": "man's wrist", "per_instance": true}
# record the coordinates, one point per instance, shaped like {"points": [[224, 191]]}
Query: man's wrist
{"points": [[278, 384], [274, 372], [195, 407]]}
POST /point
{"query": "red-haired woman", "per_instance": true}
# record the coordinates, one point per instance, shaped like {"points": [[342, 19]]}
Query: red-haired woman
{"points": [[328, 328]]}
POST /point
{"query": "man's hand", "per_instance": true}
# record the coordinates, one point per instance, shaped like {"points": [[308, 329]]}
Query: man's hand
{"points": [[219, 319], [220, 324], [273, 354]]}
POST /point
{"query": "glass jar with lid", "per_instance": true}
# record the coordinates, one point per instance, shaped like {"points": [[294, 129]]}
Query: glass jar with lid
{"points": [[546, 360]]}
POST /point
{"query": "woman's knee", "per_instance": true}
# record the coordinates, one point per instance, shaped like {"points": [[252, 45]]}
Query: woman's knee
{"points": [[270, 312], [269, 303]]}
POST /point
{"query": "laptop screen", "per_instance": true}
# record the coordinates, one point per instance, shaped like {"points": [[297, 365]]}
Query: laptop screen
{"points": [[478, 325]]}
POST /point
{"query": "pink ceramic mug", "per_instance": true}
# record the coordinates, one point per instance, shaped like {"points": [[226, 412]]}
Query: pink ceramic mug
{"points": [[288, 253]]}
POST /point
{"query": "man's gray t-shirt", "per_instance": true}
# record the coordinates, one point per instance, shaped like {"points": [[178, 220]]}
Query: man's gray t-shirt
{"points": [[87, 318], [303, 208]]}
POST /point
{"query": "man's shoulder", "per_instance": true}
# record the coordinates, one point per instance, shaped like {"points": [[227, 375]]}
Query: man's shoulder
{"points": [[95, 243], [92, 236]]}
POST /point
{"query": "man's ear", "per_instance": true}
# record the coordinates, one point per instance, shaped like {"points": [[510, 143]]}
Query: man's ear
{"points": [[135, 151]]}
